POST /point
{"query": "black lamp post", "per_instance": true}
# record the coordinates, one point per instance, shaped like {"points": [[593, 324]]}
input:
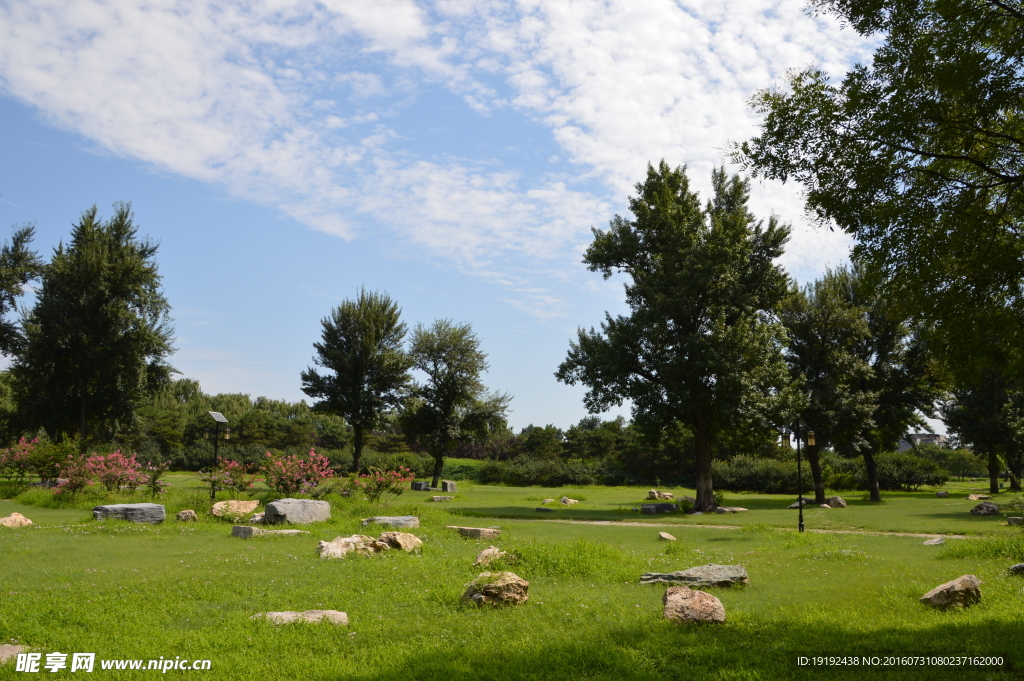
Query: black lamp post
{"points": [[218, 419], [809, 435]]}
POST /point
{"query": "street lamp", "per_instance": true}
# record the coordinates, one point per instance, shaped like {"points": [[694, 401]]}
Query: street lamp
{"points": [[809, 436], [218, 419]]}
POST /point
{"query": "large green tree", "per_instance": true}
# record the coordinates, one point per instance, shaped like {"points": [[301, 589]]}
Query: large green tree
{"points": [[361, 348], [702, 345], [97, 339], [452, 405], [18, 266], [827, 331], [920, 156]]}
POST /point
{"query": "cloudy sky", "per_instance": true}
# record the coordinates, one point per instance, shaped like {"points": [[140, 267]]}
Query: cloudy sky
{"points": [[454, 154]]}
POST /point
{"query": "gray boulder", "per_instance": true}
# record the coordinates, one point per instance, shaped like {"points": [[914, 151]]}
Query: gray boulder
{"points": [[393, 520], [420, 486], [136, 513], [1017, 569], [962, 592], [797, 504], [985, 508], [1015, 520], [703, 575], [449, 486], [836, 502], [942, 494], [296, 511]]}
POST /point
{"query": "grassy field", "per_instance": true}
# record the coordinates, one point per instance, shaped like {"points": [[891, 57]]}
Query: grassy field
{"points": [[70, 584]]}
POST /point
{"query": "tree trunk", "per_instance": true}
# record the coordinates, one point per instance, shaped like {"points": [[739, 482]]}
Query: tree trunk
{"points": [[1014, 462], [993, 472], [815, 462], [357, 447], [872, 470], [702, 448], [438, 467]]}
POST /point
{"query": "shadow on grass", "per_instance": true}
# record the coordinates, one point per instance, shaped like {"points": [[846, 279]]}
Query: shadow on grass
{"points": [[742, 650]]}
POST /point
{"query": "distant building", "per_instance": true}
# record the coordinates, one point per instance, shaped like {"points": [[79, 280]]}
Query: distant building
{"points": [[922, 439]]}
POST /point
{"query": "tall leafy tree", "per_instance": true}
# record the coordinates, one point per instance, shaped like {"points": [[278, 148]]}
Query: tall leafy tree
{"points": [[452, 405], [702, 345], [97, 339], [828, 330], [989, 414], [920, 156], [362, 349], [18, 266]]}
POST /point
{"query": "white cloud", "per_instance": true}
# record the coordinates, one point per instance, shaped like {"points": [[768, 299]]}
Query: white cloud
{"points": [[246, 96]]}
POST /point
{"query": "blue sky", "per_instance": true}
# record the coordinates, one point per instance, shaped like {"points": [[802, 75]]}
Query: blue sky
{"points": [[452, 154]]}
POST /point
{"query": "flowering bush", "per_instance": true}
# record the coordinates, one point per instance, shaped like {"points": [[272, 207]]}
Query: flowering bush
{"points": [[151, 478], [16, 461], [116, 471], [75, 475], [294, 474], [228, 475], [384, 486]]}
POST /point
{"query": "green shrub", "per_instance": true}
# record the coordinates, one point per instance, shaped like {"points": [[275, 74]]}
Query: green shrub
{"points": [[906, 472], [749, 474]]}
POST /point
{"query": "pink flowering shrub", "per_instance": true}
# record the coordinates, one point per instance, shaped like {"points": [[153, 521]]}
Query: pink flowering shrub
{"points": [[116, 472], [75, 476], [384, 486], [295, 474], [151, 481], [16, 461], [229, 475]]}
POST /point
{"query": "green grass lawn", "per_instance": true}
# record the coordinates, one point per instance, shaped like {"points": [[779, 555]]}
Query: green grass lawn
{"points": [[71, 584]]}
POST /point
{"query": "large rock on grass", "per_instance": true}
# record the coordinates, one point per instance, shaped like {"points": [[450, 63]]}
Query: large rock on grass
{"points": [[296, 511], [985, 508], [978, 497], [187, 516], [651, 509], [702, 575], [339, 547], [497, 588], [400, 521], [290, 616], [655, 495], [401, 540], [942, 494], [1017, 569], [234, 508], [15, 520], [136, 513], [836, 502], [962, 592], [683, 604], [566, 501]]}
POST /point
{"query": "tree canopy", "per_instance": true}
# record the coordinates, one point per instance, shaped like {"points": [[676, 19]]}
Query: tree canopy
{"points": [[702, 345], [920, 156], [97, 339], [362, 349], [18, 266]]}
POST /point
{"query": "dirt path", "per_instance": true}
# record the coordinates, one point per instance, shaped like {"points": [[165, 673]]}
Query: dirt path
{"points": [[736, 527]]}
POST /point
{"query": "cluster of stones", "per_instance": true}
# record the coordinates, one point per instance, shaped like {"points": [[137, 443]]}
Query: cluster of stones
{"points": [[655, 495], [339, 547]]}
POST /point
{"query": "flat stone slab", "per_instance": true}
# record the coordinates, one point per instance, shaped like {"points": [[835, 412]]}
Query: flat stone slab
{"points": [[666, 536], [441, 498], [247, 532], [651, 509], [136, 513], [544, 509], [296, 511], [703, 575], [934, 541], [289, 616], [393, 520], [9, 651], [731, 509], [476, 532]]}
